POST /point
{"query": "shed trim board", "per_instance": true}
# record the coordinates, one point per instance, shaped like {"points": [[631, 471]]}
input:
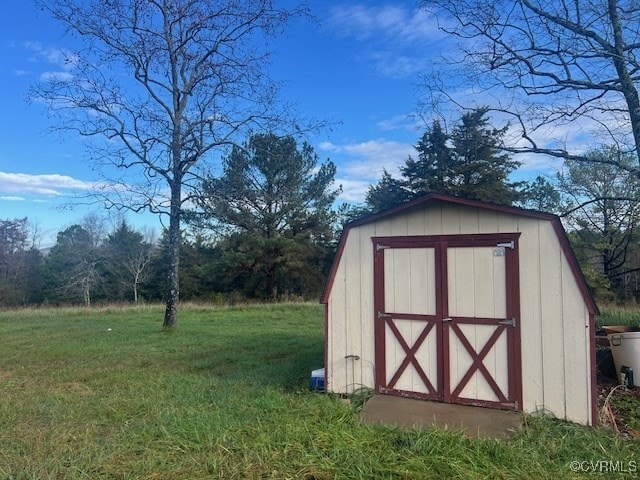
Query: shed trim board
{"points": [[542, 358]]}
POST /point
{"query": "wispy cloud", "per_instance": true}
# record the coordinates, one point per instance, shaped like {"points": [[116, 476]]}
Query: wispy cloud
{"points": [[64, 61], [353, 191], [56, 77], [408, 121], [362, 163], [61, 57], [388, 22], [394, 38], [19, 184], [12, 199]]}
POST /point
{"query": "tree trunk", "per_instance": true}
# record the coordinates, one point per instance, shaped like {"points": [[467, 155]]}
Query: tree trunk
{"points": [[173, 278], [627, 85], [135, 290]]}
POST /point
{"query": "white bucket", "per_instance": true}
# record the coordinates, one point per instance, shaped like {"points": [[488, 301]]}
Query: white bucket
{"points": [[625, 348]]}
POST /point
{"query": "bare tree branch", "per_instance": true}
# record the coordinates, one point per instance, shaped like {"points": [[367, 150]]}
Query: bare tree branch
{"points": [[167, 84], [550, 65]]}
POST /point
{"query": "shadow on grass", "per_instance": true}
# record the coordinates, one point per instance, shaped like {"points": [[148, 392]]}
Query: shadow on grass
{"points": [[276, 359]]}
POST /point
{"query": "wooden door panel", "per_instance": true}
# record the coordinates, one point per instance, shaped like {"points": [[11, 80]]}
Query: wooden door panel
{"points": [[409, 282], [478, 330], [407, 319], [476, 282], [447, 318]]}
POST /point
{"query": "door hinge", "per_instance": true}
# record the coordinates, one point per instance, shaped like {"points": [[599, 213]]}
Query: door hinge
{"points": [[511, 245], [383, 315], [511, 322], [379, 247]]}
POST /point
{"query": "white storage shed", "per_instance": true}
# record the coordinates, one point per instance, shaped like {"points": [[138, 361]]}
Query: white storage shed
{"points": [[460, 301]]}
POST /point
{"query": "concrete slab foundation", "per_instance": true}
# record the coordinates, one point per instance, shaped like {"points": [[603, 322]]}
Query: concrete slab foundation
{"points": [[475, 422]]}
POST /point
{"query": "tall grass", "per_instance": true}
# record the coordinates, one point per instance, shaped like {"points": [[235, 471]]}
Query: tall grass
{"points": [[619, 315], [106, 394]]}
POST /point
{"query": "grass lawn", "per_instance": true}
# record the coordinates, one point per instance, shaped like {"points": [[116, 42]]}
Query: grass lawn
{"points": [[106, 393]]}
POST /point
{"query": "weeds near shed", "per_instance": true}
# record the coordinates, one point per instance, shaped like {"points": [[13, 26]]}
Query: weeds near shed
{"points": [[619, 315]]}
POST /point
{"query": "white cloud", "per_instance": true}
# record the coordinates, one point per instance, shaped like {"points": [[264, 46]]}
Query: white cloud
{"points": [[353, 191], [400, 24], [361, 164], [56, 77], [56, 56], [12, 199], [395, 40], [372, 156], [64, 60], [49, 184], [409, 122], [367, 160]]}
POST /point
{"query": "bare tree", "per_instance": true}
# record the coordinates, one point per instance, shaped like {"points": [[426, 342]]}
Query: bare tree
{"points": [[167, 83], [552, 65], [602, 211]]}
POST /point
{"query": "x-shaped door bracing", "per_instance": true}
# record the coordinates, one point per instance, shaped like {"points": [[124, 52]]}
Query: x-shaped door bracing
{"points": [[477, 364], [410, 357]]}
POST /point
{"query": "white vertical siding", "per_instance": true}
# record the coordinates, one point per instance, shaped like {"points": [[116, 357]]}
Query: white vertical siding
{"points": [[366, 314], [555, 341], [576, 336], [532, 290]]}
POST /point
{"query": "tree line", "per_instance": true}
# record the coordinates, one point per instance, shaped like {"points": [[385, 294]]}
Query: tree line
{"points": [[125, 266], [267, 227]]}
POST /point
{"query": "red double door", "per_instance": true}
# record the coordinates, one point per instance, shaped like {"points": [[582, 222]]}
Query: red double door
{"points": [[447, 320]]}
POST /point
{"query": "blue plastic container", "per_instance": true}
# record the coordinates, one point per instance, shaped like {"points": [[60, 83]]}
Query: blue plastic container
{"points": [[317, 379]]}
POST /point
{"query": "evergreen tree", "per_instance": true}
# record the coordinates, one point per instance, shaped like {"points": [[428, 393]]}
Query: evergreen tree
{"points": [[468, 163], [127, 256], [541, 195], [274, 203], [387, 193], [434, 169], [480, 171], [73, 267]]}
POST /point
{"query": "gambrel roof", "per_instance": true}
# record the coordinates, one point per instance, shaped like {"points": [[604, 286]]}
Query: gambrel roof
{"points": [[434, 198]]}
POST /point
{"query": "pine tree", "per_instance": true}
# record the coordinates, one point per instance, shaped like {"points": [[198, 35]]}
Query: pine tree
{"points": [[387, 193], [468, 163], [481, 171], [433, 171], [274, 204], [127, 257]]}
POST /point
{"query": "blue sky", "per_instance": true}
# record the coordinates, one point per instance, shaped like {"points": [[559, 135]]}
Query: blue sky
{"points": [[358, 66]]}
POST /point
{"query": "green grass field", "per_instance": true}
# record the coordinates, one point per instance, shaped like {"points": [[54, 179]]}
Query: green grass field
{"points": [[107, 394]]}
